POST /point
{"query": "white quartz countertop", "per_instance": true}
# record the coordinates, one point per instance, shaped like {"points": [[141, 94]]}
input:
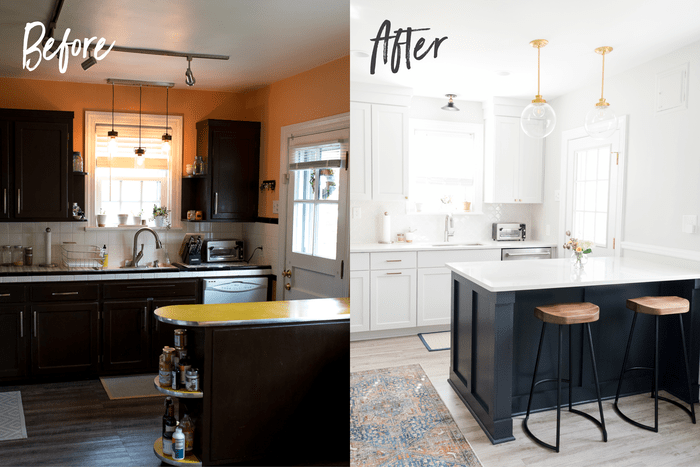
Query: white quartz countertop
{"points": [[436, 246], [506, 276]]}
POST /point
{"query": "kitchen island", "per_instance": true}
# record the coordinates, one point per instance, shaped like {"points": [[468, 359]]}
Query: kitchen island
{"points": [[494, 333], [275, 380]]}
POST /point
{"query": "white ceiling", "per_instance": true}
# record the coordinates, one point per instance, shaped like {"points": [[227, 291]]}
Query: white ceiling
{"points": [[488, 36], [267, 40]]}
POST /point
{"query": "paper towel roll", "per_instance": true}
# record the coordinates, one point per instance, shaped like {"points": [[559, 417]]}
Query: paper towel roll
{"points": [[386, 228], [48, 246]]}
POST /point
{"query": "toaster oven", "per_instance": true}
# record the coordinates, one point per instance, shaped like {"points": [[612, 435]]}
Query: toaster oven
{"points": [[222, 251], [510, 232]]}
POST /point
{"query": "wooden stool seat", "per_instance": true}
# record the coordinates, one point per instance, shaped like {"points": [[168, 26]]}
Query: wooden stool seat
{"points": [[659, 305], [568, 313]]}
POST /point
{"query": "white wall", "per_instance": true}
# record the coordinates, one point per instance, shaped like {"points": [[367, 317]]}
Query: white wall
{"points": [[663, 165]]}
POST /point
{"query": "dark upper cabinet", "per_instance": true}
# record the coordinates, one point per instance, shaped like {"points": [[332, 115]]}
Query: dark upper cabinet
{"points": [[229, 190], [36, 165]]}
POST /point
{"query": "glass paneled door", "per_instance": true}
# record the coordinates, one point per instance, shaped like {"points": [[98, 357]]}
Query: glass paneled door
{"points": [[316, 263]]}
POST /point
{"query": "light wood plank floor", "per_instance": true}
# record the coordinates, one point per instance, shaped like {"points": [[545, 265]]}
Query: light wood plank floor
{"points": [[676, 444]]}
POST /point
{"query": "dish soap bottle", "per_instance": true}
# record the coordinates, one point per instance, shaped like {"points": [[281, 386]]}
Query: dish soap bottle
{"points": [[105, 256]]}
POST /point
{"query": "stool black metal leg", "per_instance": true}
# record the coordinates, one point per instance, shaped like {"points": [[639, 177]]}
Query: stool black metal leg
{"points": [[534, 376], [597, 385], [624, 361], [559, 387], [687, 370], [656, 375], [571, 377]]}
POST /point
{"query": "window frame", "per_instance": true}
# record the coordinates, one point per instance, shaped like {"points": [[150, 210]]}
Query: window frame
{"points": [[175, 122]]}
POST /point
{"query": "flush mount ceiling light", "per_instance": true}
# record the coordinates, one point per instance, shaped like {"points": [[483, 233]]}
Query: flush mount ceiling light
{"points": [[139, 151], [538, 119], [167, 139], [450, 104], [89, 62], [601, 121], [189, 77]]}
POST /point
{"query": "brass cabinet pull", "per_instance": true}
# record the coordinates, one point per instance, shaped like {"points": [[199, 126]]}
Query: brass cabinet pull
{"points": [[5, 294], [21, 324], [390, 273], [393, 261], [35, 324], [216, 203], [65, 293]]}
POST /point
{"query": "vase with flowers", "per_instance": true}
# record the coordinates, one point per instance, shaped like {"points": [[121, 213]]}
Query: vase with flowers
{"points": [[580, 250]]}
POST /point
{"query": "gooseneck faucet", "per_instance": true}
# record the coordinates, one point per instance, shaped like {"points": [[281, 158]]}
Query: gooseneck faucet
{"points": [[136, 257], [449, 224]]}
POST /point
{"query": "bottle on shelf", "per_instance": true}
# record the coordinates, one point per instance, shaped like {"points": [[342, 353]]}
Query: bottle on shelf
{"points": [[175, 376], [187, 426], [165, 367], [185, 365], [169, 424], [178, 444]]}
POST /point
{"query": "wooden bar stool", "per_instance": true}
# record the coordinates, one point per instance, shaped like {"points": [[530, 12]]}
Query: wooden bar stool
{"points": [[656, 306], [565, 314]]}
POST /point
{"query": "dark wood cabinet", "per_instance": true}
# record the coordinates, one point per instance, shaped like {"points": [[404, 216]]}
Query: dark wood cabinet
{"points": [[229, 189], [162, 334], [36, 165], [14, 341], [65, 338], [125, 335]]}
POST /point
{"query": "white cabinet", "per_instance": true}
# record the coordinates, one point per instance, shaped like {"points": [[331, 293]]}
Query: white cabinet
{"points": [[513, 163], [359, 292], [378, 152], [393, 299], [434, 305]]}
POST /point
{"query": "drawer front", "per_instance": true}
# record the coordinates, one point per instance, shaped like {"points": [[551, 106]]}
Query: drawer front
{"points": [[64, 292], [437, 259], [150, 289], [11, 293], [359, 261], [393, 260]]}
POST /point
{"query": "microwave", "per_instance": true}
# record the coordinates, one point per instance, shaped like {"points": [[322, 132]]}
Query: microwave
{"points": [[222, 251], [509, 232]]}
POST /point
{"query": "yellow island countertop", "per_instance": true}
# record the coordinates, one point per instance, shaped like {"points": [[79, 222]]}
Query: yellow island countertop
{"points": [[255, 313]]}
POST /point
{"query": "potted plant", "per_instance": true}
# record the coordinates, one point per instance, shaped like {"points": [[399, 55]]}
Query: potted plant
{"points": [[101, 218], [160, 216], [137, 217]]}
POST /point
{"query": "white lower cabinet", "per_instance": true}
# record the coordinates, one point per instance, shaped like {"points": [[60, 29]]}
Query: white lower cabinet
{"points": [[359, 301], [434, 304], [393, 299]]}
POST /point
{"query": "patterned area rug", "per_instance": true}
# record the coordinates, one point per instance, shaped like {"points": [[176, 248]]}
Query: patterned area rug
{"points": [[11, 416], [435, 340], [398, 419]]}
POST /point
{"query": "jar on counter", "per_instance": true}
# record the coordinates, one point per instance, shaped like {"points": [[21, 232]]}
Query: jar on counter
{"points": [[7, 255], [28, 256], [17, 255]]}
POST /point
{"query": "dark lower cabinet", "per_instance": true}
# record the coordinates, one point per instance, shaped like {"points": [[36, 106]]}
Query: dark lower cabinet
{"points": [[125, 335], [14, 341], [65, 338]]}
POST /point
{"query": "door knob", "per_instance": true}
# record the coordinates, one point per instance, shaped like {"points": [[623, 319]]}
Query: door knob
{"points": [[288, 286], [287, 273]]}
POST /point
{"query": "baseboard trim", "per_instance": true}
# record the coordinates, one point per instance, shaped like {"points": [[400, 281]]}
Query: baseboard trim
{"points": [[403, 332], [661, 250]]}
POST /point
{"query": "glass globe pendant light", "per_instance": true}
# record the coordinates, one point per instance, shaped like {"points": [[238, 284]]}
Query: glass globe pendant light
{"points": [[538, 119], [601, 121], [167, 139]]}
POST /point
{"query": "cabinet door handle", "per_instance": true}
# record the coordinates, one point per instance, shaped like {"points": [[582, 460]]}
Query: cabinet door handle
{"points": [[392, 273], [5, 294], [216, 203], [148, 286], [4, 200], [65, 293], [145, 317], [393, 261], [21, 324], [19, 193], [35, 324]]}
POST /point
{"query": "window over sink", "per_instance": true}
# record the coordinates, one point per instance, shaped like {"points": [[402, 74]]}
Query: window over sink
{"points": [[445, 166], [118, 181]]}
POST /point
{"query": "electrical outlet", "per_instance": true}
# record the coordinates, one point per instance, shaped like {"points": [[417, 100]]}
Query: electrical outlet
{"points": [[557, 195], [276, 207], [356, 213]]}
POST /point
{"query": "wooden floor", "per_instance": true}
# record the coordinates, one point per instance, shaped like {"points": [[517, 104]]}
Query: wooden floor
{"points": [[676, 444]]}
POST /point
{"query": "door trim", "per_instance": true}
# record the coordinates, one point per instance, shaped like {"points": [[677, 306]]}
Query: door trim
{"points": [[335, 122], [569, 136]]}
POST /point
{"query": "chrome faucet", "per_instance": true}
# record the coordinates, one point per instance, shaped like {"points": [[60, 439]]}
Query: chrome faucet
{"points": [[136, 257], [449, 224]]}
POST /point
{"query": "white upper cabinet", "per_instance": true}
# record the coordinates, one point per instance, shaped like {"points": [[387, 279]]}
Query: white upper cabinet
{"points": [[389, 152], [513, 163], [360, 159]]}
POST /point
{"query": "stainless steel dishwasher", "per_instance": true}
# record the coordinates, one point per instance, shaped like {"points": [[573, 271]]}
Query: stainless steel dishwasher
{"points": [[513, 254], [235, 290]]}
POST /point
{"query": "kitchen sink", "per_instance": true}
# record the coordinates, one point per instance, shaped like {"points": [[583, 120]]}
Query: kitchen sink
{"points": [[149, 268], [456, 244]]}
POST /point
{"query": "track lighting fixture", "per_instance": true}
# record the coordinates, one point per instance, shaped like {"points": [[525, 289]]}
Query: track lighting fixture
{"points": [[189, 77], [112, 146], [89, 62], [450, 105]]}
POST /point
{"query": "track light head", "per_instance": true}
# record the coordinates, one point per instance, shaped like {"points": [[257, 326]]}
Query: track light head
{"points": [[189, 77], [89, 62]]}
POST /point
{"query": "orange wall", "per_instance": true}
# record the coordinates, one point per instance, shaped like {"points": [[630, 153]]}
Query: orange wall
{"points": [[320, 92]]}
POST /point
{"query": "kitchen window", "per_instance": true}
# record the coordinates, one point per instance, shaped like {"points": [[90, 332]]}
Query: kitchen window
{"points": [[122, 183], [445, 166]]}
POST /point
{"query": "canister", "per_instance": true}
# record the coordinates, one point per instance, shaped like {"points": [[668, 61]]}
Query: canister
{"points": [[180, 338], [192, 382], [7, 255], [17, 255], [28, 256]]}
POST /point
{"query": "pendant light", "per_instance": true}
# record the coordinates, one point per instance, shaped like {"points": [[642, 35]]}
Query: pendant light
{"points": [[601, 121], [167, 139], [450, 105], [538, 119], [139, 151], [112, 146]]}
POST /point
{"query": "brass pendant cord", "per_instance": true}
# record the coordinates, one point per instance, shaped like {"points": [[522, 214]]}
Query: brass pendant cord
{"points": [[602, 84], [538, 70]]}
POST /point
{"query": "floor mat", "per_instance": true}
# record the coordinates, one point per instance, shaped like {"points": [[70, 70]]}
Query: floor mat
{"points": [[397, 418], [11, 416], [129, 387], [436, 340]]}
